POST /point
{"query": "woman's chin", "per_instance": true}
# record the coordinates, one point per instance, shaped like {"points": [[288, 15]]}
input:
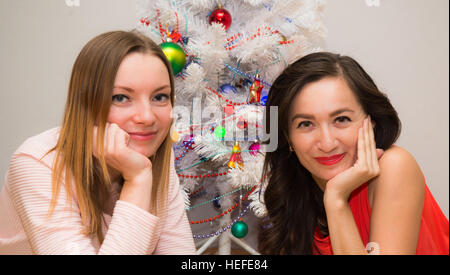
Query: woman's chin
{"points": [[330, 174], [146, 151]]}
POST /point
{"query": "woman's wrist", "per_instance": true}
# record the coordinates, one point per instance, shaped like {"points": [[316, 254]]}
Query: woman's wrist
{"points": [[332, 199], [144, 176], [137, 190], [139, 175]]}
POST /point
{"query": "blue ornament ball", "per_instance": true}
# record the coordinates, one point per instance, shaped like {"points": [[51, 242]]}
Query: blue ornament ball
{"points": [[227, 89], [216, 202], [247, 82], [263, 100]]}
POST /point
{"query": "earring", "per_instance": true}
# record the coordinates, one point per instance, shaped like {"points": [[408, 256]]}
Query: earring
{"points": [[290, 148]]}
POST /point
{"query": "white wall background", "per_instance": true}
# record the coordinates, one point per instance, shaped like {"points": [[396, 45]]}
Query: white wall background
{"points": [[403, 44]]}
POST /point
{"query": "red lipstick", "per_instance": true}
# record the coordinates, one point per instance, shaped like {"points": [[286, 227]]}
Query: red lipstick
{"points": [[330, 160]]}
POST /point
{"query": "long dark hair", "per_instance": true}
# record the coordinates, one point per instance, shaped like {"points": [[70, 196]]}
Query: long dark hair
{"points": [[293, 200]]}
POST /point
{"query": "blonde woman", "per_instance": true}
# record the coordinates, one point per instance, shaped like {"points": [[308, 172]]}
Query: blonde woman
{"points": [[103, 182]]}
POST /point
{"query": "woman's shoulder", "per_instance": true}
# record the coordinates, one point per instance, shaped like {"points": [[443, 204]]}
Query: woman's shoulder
{"points": [[28, 169], [39, 145], [399, 171], [396, 158]]}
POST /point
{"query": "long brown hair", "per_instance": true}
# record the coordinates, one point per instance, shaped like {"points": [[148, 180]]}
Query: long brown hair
{"points": [[293, 200], [88, 102]]}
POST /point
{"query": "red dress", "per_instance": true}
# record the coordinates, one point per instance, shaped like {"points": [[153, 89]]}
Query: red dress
{"points": [[433, 235]]}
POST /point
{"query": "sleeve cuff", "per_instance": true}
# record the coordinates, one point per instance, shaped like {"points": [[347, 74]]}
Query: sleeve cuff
{"points": [[131, 230]]}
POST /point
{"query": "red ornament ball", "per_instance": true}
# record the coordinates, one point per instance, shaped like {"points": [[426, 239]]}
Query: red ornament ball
{"points": [[242, 123], [221, 16]]}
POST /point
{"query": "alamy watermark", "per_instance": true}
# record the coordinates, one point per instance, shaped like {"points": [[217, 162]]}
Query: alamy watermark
{"points": [[373, 3], [72, 3], [207, 117], [373, 248]]}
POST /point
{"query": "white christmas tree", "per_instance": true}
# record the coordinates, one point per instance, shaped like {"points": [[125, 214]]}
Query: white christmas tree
{"points": [[225, 55]]}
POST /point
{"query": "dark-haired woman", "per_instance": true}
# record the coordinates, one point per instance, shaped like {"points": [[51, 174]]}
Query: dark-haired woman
{"points": [[337, 184]]}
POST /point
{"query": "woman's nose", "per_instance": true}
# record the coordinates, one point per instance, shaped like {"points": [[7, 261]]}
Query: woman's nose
{"points": [[144, 114], [327, 141]]}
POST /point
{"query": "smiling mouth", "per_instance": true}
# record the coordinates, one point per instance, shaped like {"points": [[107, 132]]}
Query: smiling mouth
{"points": [[142, 136], [330, 160]]}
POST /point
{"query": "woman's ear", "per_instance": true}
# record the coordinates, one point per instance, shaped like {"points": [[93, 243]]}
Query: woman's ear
{"points": [[291, 149]]}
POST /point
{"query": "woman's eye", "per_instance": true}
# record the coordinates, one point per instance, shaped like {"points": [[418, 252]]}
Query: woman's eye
{"points": [[343, 119], [161, 97], [119, 98], [304, 124]]}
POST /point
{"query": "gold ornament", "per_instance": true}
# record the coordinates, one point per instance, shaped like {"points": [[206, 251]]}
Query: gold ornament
{"points": [[236, 158]]}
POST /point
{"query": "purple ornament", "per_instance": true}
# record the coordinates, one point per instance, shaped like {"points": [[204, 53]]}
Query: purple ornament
{"points": [[187, 139], [265, 92], [254, 148]]}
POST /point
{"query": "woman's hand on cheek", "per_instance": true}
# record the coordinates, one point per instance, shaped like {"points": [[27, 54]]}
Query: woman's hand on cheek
{"points": [[365, 168], [118, 155]]}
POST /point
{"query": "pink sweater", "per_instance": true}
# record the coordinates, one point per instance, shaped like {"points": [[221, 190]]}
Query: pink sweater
{"points": [[25, 200]]}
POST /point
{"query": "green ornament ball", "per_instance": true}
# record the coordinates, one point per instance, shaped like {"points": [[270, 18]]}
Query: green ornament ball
{"points": [[219, 132], [239, 229], [175, 55]]}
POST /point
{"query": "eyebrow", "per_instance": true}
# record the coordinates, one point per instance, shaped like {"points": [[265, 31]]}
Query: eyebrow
{"points": [[128, 89], [335, 113]]}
